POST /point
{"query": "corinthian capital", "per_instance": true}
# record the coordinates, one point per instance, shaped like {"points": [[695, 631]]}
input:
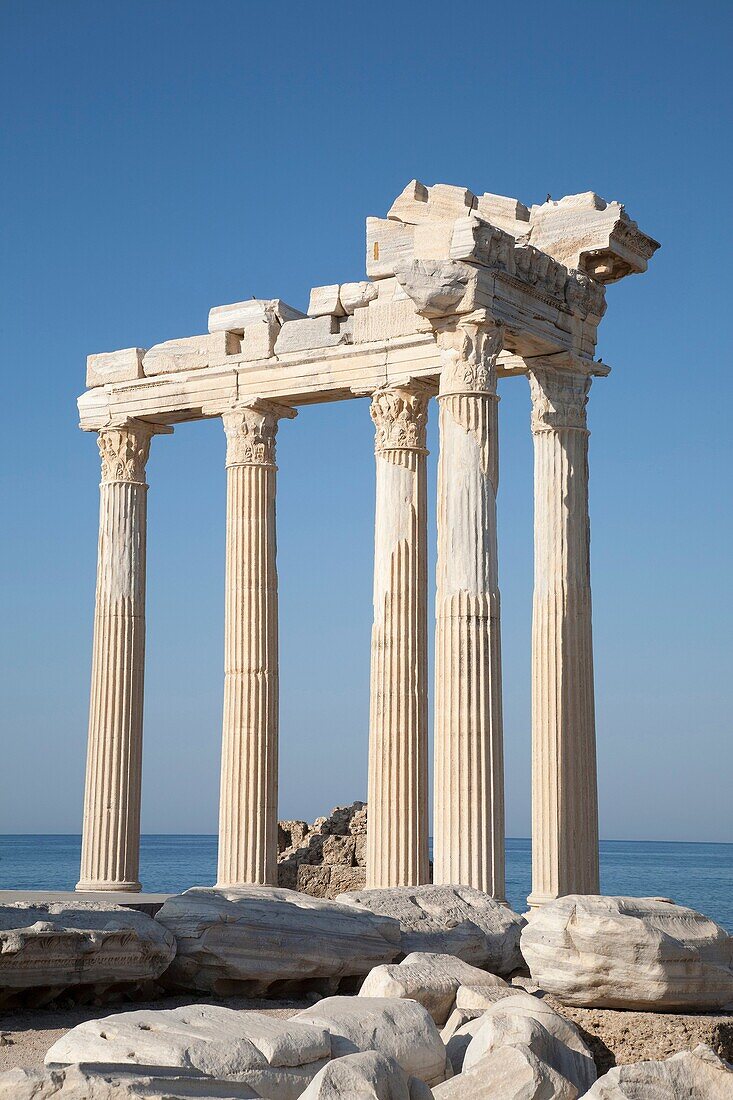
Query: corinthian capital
{"points": [[400, 415], [251, 430], [468, 352], [559, 398], [124, 451]]}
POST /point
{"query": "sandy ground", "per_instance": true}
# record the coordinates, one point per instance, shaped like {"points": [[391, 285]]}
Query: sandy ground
{"points": [[26, 1034]]}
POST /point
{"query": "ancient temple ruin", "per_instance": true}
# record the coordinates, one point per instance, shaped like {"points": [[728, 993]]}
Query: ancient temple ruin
{"points": [[461, 290]]}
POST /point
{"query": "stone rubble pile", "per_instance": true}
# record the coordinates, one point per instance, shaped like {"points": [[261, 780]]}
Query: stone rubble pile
{"points": [[326, 858]]}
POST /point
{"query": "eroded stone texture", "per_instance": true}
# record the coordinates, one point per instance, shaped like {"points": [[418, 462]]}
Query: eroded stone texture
{"points": [[509, 1073], [77, 1083], [275, 1057], [449, 920], [56, 946], [402, 1030], [368, 1075], [632, 953], [242, 940], [697, 1074], [434, 981], [526, 1020]]}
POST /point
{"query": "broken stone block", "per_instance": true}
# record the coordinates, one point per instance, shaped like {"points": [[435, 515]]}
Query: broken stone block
{"points": [[190, 353], [390, 244], [324, 301], [115, 366], [353, 295], [310, 333], [237, 316]]}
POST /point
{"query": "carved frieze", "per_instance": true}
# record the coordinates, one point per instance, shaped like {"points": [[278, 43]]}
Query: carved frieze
{"points": [[400, 416], [559, 399]]}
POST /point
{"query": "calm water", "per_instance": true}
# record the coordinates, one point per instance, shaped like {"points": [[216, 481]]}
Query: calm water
{"points": [[699, 875]]}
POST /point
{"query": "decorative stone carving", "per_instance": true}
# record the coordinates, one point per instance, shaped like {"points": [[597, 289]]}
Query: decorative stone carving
{"points": [[468, 356], [124, 452], [400, 416], [559, 399], [251, 430]]}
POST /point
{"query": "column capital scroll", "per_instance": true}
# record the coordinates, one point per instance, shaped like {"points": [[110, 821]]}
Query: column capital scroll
{"points": [[469, 349], [124, 449], [251, 428], [400, 415], [559, 399]]}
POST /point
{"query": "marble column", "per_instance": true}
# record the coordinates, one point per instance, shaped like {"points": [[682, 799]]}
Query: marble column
{"points": [[564, 795], [111, 829], [468, 831], [248, 795], [397, 827]]}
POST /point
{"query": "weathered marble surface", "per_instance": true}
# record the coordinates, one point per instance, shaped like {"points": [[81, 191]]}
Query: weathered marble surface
{"points": [[525, 1020], [403, 1030], [277, 1058], [633, 953], [78, 1083], [241, 940], [697, 1074], [435, 981], [508, 1073], [449, 920], [60, 945], [368, 1075]]}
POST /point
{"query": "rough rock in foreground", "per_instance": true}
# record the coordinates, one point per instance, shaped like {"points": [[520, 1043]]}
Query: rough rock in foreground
{"points": [[402, 1030], [634, 953], [510, 1073], [449, 920], [275, 1057], [56, 946], [695, 1075], [368, 1076], [77, 1083], [435, 981], [243, 940], [524, 1020]]}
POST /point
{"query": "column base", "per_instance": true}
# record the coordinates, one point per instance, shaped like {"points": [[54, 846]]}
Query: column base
{"points": [[534, 901], [108, 887]]}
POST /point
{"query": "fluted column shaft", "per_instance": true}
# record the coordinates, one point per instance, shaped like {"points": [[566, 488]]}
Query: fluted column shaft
{"points": [[397, 827], [248, 795], [111, 830], [468, 832], [564, 788]]}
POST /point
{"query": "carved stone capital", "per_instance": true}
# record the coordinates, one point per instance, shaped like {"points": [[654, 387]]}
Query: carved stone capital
{"points": [[251, 430], [559, 398], [124, 452], [400, 415], [468, 352]]}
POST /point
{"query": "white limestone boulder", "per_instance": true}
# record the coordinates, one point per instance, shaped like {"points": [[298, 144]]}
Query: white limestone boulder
{"points": [[457, 1034], [524, 1020], [434, 981], [277, 1058], [60, 945], [633, 953], [452, 920], [694, 1074], [508, 1073], [366, 1076], [78, 1083], [242, 940], [402, 1030]]}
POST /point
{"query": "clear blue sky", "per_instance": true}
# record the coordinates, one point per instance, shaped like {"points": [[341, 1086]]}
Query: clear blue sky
{"points": [[159, 158]]}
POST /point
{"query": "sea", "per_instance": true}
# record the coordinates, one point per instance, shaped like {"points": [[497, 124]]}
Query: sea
{"points": [[697, 875]]}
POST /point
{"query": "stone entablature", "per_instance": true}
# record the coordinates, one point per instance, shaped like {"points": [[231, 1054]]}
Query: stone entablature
{"points": [[461, 290]]}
